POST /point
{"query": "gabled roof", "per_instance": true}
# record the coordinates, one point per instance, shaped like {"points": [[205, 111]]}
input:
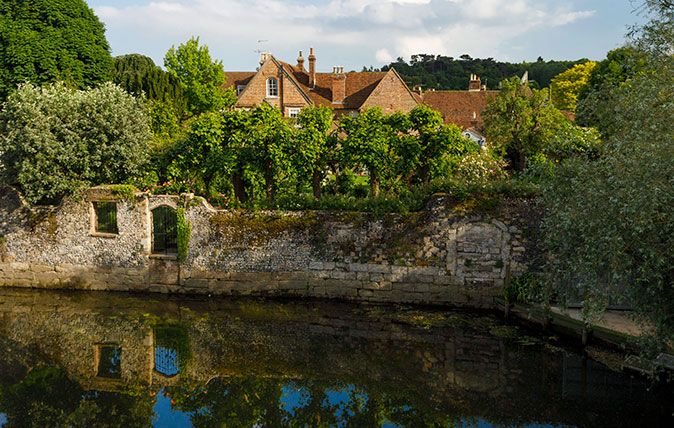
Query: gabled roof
{"points": [[358, 85], [462, 108], [236, 78]]}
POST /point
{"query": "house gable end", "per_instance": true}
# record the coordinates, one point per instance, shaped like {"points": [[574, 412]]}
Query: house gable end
{"points": [[391, 94]]}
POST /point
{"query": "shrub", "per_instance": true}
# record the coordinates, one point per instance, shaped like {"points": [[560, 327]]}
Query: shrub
{"points": [[54, 140]]}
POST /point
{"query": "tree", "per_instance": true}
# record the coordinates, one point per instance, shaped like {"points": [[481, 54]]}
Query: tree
{"points": [[315, 126], [520, 121], [55, 140], [270, 138], [198, 158], [44, 41], [367, 141], [201, 78], [595, 100], [435, 139], [139, 75], [566, 86], [610, 229]]}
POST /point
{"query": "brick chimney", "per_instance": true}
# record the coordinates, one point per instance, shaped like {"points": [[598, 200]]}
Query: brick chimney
{"points": [[474, 84], [300, 61], [264, 57], [338, 85], [312, 68]]}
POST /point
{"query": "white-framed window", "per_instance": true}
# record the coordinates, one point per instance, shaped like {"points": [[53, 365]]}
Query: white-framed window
{"points": [[272, 87], [239, 89], [294, 111]]}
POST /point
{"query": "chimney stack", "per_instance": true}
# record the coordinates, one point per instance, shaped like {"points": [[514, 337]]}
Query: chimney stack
{"points": [[300, 61], [312, 68], [338, 85], [264, 56], [474, 84]]}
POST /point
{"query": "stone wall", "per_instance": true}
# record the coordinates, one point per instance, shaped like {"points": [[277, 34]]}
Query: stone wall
{"points": [[438, 256]]}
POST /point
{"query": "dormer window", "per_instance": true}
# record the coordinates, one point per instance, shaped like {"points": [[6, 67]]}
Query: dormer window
{"points": [[272, 87], [239, 89]]}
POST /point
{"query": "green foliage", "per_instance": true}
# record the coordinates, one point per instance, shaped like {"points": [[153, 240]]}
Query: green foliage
{"points": [[610, 231], [54, 140], [271, 144], [201, 78], [313, 144], [197, 158], [526, 288], [47, 397], [566, 86], [595, 101], [45, 41], [520, 121], [184, 231], [441, 72]]}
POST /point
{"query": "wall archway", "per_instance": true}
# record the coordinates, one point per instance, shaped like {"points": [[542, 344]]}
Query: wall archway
{"points": [[164, 230]]}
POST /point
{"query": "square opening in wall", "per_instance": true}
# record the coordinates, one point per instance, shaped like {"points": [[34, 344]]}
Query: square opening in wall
{"points": [[106, 217], [109, 364]]}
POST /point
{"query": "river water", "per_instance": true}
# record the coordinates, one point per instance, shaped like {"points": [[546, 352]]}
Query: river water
{"points": [[115, 360]]}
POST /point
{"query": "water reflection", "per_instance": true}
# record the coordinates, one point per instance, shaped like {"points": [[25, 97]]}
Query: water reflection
{"points": [[113, 360]]}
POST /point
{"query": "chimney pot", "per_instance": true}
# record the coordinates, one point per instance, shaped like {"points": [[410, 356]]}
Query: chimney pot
{"points": [[300, 61], [312, 68], [474, 84]]}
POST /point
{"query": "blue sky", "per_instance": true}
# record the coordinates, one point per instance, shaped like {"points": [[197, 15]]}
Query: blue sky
{"points": [[353, 33]]}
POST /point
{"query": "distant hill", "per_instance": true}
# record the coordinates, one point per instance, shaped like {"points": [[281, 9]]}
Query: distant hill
{"points": [[442, 72]]}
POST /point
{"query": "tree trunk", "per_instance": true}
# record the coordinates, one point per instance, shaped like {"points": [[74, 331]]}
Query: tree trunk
{"points": [[316, 183], [239, 186], [424, 173], [374, 183], [521, 161], [269, 180]]}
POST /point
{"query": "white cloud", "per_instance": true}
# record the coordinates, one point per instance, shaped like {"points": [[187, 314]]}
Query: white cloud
{"points": [[344, 31], [383, 56]]}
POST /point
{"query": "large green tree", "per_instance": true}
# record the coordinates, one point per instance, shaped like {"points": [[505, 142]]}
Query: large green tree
{"points": [[312, 148], [434, 139], [55, 140], [367, 142], [201, 78], [270, 137], [595, 100], [139, 75], [44, 41], [610, 229], [520, 121]]}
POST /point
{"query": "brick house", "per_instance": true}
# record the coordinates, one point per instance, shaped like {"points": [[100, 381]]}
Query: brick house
{"points": [[292, 87]]}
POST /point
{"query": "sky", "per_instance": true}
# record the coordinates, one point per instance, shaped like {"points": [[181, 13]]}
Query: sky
{"points": [[357, 33]]}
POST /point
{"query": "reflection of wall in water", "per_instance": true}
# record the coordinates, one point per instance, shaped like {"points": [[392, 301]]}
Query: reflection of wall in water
{"points": [[337, 343]]}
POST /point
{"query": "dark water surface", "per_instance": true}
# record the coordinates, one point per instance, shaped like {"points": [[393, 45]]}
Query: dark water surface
{"points": [[111, 360]]}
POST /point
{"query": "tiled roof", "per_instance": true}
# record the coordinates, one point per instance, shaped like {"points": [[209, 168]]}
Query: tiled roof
{"points": [[462, 108], [359, 85], [235, 78]]}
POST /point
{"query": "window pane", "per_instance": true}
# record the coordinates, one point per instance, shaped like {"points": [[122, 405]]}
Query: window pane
{"points": [[106, 217]]}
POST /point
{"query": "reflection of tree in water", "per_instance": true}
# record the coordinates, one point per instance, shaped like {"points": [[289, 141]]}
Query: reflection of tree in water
{"points": [[245, 402], [47, 398]]}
